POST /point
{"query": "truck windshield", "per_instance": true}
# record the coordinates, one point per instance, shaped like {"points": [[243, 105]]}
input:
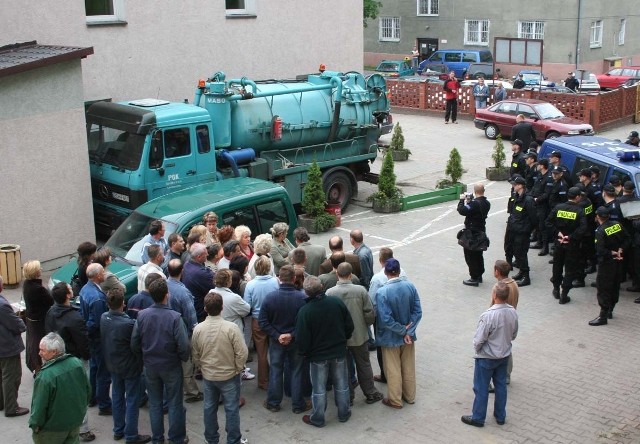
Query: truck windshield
{"points": [[115, 147], [126, 242]]}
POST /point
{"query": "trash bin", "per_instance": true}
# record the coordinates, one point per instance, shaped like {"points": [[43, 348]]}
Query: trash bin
{"points": [[10, 264], [335, 210]]}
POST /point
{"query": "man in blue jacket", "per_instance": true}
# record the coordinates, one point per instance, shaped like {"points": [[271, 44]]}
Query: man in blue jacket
{"points": [[198, 278], [125, 367], [399, 313]]}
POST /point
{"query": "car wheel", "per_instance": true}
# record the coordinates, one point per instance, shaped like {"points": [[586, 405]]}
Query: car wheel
{"points": [[491, 131], [553, 135]]}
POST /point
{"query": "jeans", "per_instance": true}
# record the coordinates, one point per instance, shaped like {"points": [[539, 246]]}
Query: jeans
{"points": [[99, 375], [319, 372], [480, 104], [171, 380], [230, 392], [485, 371], [278, 355], [126, 396]]}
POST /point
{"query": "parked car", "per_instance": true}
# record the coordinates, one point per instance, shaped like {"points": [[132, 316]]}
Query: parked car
{"points": [[435, 70], [631, 82], [617, 76], [395, 68], [423, 79], [553, 89], [547, 120], [476, 70], [458, 60], [533, 77], [589, 83], [489, 82]]}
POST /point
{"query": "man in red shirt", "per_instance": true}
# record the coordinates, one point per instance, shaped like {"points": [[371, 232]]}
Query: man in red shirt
{"points": [[451, 88]]}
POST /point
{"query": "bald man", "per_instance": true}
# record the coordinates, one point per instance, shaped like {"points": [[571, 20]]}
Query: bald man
{"points": [[475, 211]]}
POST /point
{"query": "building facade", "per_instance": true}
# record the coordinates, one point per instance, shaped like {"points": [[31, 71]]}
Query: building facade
{"points": [[578, 34]]}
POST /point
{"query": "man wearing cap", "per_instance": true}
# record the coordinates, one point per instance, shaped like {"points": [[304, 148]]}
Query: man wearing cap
{"points": [[523, 131], [630, 266], [609, 196], [518, 166], [592, 188], [633, 139], [558, 192], [555, 159], [609, 241], [587, 252], [531, 160], [540, 193], [595, 174], [571, 82], [569, 225], [522, 219], [617, 184], [475, 211], [519, 82], [398, 315]]}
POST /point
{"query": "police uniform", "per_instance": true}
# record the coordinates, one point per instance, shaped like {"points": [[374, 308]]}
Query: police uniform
{"points": [[518, 165], [475, 213], [558, 191], [540, 192], [567, 220], [587, 245], [522, 219], [610, 237]]}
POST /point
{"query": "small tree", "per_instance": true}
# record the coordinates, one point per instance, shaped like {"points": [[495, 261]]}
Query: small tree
{"points": [[387, 192], [498, 154], [313, 199], [453, 170], [397, 140]]}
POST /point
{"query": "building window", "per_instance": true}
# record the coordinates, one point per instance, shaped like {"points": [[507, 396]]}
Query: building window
{"points": [[104, 11], [240, 7], [596, 34], [476, 32], [390, 29], [531, 30], [623, 24], [427, 7]]}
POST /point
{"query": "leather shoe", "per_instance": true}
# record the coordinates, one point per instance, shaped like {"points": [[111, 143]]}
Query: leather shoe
{"points": [[471, 282], [524, 282], [637, 300], [388, 403], [633, 289], [598, 321], [498, 421], [469, 420], [105, 412], [577, 283], [556, 293], [20, 411], [307, 406], [307, 420], [379, 378], [242, 402], [543, 252], [140, 439], [564, 299]]}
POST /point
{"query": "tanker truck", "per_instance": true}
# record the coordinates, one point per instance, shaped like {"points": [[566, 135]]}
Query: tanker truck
{"points": [[270, 130]]}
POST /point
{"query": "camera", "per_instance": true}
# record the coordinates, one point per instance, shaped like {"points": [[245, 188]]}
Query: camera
{"points": [[468, 196]]}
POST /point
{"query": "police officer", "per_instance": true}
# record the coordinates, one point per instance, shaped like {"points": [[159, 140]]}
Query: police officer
{"points": [[522, 219], [594, 192], [555, 159], [558, 192], [587, 245], [541, 190], [569, 225], [609, 249], [518, 165], [475, 210], [531, 160], [630, 266], [611, 203]]}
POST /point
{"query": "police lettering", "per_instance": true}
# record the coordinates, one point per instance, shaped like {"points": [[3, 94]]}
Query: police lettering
{"points": [[518, 208], [567, 214], [588, 210], [613, 229]]}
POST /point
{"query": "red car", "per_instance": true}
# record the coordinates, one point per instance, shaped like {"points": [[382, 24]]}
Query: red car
{"points": [[617, 76], [547, 120]]}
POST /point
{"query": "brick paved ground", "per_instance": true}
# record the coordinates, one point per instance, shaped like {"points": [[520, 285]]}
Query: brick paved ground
{"points": [[571, 383]]}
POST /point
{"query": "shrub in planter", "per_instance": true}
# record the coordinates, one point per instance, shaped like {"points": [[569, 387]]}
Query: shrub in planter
{"points": [[313, 200], [397, 149], [388, 198], [498, 171], [453, 171]]}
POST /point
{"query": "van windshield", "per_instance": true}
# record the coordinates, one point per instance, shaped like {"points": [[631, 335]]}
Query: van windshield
{"points": [[115, 147], [126, 242]]}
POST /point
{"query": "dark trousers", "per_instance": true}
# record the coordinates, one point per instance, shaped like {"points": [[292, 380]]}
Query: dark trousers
{"points": [[360, 355], [451, 110], [542, 211], [475, 262], [608, 285], [99, 376], [635, 269], [517, 245], [11, 374], [566, 257]]}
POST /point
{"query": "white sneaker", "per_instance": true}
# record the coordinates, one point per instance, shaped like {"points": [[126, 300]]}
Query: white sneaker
{"points": [[247, 375]]}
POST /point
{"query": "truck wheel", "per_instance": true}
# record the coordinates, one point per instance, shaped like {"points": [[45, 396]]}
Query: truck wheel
{"points": [[491, 131], [553, 135], [338, 188]]}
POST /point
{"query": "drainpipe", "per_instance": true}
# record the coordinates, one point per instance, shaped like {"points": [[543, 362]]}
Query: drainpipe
{"points": [[578, 33]]}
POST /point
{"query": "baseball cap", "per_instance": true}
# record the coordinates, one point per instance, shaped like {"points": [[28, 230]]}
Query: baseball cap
{"points": [[556, 169], [517, 142], [585, 172], [520, 75], [392, 266], [555, 153], [608, 188], [602, 211], [530, 154], [573, 192], [517, 179], [595, 169], [629, 186], [572, 73], [614, 180], [633, 134], [544, 162]]}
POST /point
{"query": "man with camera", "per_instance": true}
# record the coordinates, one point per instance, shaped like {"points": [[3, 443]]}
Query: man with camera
{"points": [[474, 238]]}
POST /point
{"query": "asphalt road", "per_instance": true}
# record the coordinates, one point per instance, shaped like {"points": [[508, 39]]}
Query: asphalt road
{"points": [[571, 383]]}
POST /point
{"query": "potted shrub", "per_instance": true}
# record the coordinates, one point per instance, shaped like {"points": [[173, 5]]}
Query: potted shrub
{"points": [[396, 147], [388, 198], [453, 171], [498, 171], [315, 219]]}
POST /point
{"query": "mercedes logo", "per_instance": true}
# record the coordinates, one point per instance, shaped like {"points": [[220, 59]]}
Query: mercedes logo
{"points": [[103, 191]]}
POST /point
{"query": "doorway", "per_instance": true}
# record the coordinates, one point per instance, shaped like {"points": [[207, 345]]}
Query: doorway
{"points": [[426, 47]]}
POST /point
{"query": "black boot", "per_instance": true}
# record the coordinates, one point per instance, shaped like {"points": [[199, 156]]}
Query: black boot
{"points": [[519, 275], [524, 280], [564, 296], [545, 249], [471, 282], [578, 283], [556, 292], [600, 320]]}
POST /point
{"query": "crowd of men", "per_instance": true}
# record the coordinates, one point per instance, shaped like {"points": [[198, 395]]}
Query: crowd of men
{"points": [[310, 324], [575, 219]]}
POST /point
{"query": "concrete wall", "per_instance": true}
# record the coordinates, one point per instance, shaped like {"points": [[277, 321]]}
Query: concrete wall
{"points": [[45, 196], [166, 46]]}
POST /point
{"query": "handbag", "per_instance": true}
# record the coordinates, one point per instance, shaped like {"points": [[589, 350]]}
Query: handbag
{"points": [[473, 240], [75, 283], [21, 309]]}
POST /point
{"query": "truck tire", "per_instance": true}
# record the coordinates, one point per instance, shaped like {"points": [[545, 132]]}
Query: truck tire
{"points": [[338, 187], [491, 131]]}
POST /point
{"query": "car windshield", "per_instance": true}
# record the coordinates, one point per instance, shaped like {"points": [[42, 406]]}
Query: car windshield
{"points": [[126, 242], [387, 67], [115, 147], [548, 111], [531, 77]]}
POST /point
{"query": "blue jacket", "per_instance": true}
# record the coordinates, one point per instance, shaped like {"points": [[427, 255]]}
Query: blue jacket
{"points": [[93, 302], [279, 311], [366, 264], [398, 305], [181, 300], [115, 331], [199, 280], [11, 329], [137, 303], [160, 336]]}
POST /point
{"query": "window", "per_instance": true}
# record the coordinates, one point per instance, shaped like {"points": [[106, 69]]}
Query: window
{"points": [[389, 29], [427, 7], [527, 111], [623, 25], [507, 108], [104, 11], [452, 57], [596, 34], [202, 137], [177, 142], [531, 30], [240, 7], [470, 57], [476, 32]]}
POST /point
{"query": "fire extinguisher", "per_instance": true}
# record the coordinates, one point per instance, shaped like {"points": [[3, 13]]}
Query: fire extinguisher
{"points": [[276, 128]]}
